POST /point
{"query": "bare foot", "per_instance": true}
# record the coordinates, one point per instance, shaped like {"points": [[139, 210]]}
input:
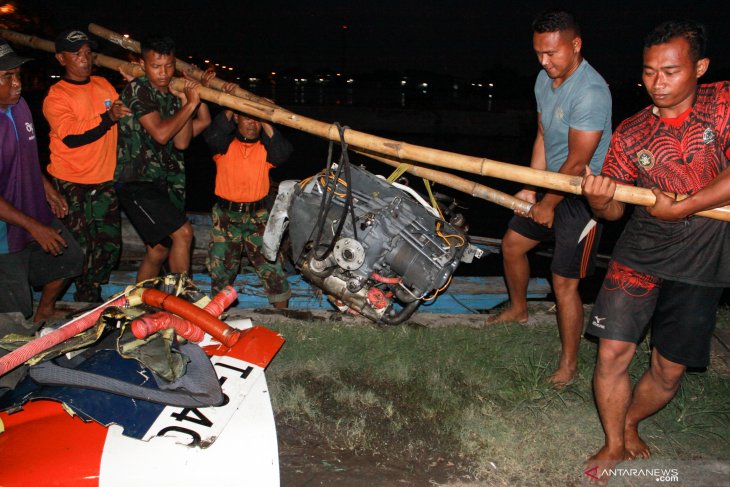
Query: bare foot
{"points": [[597, 468], [509, 315], [49, 316], [562, 377], [633, 444]]}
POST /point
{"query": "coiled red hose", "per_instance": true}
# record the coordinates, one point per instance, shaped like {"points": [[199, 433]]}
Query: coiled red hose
{"points": [[221, 301], [225, 334], [149, 324]]}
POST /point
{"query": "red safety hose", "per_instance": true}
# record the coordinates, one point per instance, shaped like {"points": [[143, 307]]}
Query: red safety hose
{"points": [[149, 324], [221, 301], [22, 354], [225, 334]]}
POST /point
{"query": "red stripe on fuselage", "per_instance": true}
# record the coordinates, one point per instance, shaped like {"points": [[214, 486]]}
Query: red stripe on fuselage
{"points": [[44, 445]]}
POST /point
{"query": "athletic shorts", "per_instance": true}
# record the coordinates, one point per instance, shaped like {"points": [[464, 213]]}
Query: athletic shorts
{"points": [[682, 316], [33, 267], [148, 207], [574, 257]]}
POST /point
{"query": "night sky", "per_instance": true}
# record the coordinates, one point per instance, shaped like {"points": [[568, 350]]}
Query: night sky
{"points": [[463, 38]]}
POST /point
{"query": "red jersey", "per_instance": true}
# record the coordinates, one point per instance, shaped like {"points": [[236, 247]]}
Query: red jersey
{"points": [[683, 156]]}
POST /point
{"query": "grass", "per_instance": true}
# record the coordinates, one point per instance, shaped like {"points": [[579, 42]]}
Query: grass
{"points": [[477, 397]]}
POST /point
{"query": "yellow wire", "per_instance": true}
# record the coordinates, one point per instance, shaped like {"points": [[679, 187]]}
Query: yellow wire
{"points": [[427, 183], [446, 237], [438, 291], [339, 181], [398, 172]]}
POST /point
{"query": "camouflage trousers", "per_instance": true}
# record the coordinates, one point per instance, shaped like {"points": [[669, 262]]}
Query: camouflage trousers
{"points": [[93, 220], [234, 233]]}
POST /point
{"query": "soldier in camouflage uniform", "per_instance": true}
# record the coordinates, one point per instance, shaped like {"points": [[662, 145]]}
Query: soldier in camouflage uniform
{"points": [[245, 150], [235, 233], [93, 220], [82, 111], [150, 172]]}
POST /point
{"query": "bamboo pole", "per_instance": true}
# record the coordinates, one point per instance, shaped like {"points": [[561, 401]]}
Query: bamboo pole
{"points": [[455, 182], [398, 150], [474, 165], [182, 66]]}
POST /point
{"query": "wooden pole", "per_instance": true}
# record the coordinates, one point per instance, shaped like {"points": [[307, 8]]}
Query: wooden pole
{"points": [[398, 150], [182, 66], [455, 182]]}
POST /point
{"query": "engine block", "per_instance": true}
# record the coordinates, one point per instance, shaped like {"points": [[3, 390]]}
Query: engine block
{"points": [[396, 253]]}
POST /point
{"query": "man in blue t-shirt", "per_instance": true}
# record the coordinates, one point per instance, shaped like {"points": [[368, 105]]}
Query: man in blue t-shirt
{"points": [[35, 249], [574, 130]]}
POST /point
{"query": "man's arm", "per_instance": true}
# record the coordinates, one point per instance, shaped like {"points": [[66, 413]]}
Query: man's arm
{"points": [[48, 237], [278, 148], [202, 119], [108, 119], [599, 191], [714, 195], [74, 131], [179, 126], [581, 146], [58, 204], [220, 133], [537, 161]]}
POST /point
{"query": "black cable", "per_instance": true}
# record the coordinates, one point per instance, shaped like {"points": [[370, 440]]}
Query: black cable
{"points": [[326, 198], [344, 162]]}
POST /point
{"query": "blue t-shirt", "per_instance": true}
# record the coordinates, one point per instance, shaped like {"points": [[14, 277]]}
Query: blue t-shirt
{"points": [[581, 102]]}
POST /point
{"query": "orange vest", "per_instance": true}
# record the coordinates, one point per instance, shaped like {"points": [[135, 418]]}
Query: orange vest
{"points": [[73, 109], [242, 172]]}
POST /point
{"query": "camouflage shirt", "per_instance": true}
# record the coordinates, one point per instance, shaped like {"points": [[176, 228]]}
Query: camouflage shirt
{"points": [[140, 157]]}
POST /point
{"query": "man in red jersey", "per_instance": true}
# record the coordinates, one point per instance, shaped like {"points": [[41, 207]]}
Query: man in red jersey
{"points": [[668, 273]]}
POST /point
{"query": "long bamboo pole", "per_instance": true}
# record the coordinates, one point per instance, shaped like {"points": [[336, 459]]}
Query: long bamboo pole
{"points": [[455, 182], [381, 145], [192, 71], [461, 184]]}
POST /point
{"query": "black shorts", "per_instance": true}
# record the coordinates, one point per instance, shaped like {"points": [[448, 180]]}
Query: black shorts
{"points": [[151, 212], [682, 316], [33, 267], [574, 257]]}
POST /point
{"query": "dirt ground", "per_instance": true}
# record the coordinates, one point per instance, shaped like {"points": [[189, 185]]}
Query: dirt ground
{"points": [[305, 461]]}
